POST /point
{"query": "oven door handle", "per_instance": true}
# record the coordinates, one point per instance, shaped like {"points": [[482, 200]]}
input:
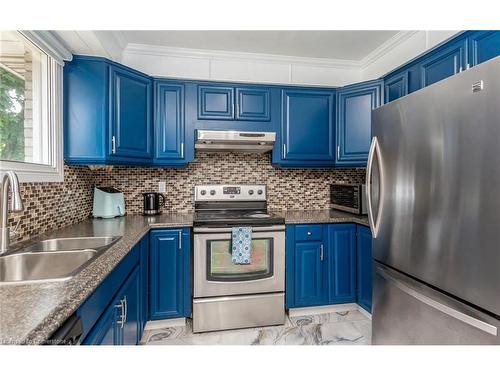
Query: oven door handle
{"points": [[274, 228]]}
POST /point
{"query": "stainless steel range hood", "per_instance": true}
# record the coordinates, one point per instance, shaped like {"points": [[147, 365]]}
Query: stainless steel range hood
{"points": [[235, 141]]}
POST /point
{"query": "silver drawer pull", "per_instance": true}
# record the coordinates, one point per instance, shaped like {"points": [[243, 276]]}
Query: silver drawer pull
{"points": [[309, 233]]}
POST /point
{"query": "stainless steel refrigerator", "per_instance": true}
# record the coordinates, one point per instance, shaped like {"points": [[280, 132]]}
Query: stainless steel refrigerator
{"points": [[433, 183]]}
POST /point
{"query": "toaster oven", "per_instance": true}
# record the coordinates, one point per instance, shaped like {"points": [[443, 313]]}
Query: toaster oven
{"points": [[349, 198]]}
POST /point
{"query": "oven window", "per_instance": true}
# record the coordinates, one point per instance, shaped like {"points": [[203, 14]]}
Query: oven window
{"points": [[220, 266]]}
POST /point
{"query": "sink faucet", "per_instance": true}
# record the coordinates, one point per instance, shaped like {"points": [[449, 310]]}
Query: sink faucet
{"points": [[16, 204]]}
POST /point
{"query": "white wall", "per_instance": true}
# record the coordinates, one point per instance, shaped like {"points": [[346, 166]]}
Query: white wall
{"points": [[388, 58], [248, 67]]}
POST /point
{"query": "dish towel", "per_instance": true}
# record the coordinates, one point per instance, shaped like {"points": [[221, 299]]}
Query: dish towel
{"points": [[242, 245]]}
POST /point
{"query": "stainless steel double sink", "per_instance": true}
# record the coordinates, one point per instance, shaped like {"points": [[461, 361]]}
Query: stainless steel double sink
{"points": [[56, 259]]}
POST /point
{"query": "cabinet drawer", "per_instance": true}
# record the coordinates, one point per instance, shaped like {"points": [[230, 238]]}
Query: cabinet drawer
{"points": [[308, 232]]}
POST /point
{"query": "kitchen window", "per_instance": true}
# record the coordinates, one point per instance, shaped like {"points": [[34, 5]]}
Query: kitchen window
{"points": [[30, 108]]}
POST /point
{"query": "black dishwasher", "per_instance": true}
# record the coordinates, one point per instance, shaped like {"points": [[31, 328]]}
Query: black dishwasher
{"points": [[69, 333]]}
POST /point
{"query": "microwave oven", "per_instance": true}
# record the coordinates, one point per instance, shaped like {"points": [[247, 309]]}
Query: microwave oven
{"points": [[349, 198]]}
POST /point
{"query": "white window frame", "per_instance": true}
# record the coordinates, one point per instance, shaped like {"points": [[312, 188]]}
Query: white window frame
{"points": [[53, 171]]}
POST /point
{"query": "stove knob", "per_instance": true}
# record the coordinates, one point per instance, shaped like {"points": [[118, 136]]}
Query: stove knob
{"points": [[250, 192], [212, 192], [203, 192], [259, 192]]}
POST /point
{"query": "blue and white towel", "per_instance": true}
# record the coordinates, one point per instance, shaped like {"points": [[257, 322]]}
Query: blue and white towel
{"points": [[242, 245]]}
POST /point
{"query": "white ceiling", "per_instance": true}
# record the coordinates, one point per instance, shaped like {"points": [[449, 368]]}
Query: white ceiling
{"points": [[330, 44]]}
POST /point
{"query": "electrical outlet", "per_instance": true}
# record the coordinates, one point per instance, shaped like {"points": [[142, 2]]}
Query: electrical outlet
{"points": [[162, 187]]}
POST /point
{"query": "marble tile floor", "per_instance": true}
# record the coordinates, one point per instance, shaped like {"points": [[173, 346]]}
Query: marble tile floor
{"points": [[346, 327]]}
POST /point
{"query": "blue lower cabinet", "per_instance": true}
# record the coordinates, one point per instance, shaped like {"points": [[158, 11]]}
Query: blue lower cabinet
{"points": [[144, 293], [342, 263], [364, 268], [170, 274], [328, 264], [106, 330], [119, 325], [311, 274]]}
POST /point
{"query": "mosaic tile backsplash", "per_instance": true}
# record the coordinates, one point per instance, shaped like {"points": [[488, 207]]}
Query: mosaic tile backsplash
{"points": [[287, 188], [50, 206], [53, 205]]}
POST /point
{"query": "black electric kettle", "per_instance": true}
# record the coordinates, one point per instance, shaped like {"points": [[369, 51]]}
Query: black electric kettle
{"points": [[152, 203]]}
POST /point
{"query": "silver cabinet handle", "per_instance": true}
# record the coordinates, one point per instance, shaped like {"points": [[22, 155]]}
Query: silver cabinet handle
{"points": [[309, 233], [338, 152], [374, 149], [284, 150], [182, 149], [125, 303], [321, 252], [121, 306], [454, 313], [180, 239], [113, 145]]}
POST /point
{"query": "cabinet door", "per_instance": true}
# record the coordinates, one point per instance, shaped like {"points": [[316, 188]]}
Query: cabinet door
{"points": [[444, 63], [342, 263], [130, 107], [364, 254], [396, 87], [310, 276], [307, 125], [144, 266], [215, 103], [252, 104], [168, 273], [131, 295], [106, 330], [483, 45], [355, 104], [169, 122]]}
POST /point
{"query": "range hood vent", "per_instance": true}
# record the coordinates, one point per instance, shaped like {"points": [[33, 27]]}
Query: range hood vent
{"points": [[235, 141]]}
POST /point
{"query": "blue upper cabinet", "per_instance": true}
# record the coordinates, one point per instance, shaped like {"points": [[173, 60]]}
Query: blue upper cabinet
{"points": [[169, 128], [130, 107], [253, 104], [355, 104], [307, 128], [483, 45], [396, 86], [107, 113], [444, 62], [215, 102], [342, 262], [170, 274]]}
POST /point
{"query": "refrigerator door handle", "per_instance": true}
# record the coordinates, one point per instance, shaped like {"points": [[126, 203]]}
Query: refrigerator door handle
{"points": [[454, 313], [374, 149]]}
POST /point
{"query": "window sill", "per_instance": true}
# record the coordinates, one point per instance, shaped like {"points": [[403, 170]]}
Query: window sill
{"points": [[27, 172]]}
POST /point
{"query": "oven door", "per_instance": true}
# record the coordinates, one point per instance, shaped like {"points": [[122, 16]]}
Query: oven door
{"points": [[216, 275]]}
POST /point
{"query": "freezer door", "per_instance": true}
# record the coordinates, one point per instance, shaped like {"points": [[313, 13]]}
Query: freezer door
{"points": [[408, 312], [437, 170]]}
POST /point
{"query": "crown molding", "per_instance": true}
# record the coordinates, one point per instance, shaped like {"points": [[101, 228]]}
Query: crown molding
{"points": [[154, 50], [387, 46], [50, 43]]}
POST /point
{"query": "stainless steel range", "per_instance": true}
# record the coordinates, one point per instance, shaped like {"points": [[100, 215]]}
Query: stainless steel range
{"points": [[228, 295]]}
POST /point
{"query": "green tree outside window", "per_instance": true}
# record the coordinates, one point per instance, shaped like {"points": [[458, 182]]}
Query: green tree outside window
{"points": [[11, 116]]}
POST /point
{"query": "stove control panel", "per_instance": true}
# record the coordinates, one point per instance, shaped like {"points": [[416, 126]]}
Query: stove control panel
{"points": [[230, 193]]}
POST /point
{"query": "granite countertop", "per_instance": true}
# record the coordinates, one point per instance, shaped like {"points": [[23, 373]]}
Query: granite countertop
{"points": [[321, 216], [30, 313]]}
